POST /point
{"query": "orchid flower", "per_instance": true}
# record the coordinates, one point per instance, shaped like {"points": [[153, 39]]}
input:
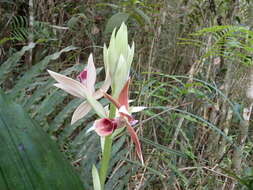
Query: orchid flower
{"points": [[106, 126], [84, 88]]}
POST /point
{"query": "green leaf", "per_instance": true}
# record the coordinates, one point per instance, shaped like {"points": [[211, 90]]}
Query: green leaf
{"points": [[29, 158], [73, 23], [95, 177], [35, 70], [107, 4], [7, 66], [115, 21], [163, 148], [143, 15], [7, 1], [5, 39]]}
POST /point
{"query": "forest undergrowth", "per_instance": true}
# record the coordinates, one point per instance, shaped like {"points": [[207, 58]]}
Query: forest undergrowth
{"points": [[192, 69]]}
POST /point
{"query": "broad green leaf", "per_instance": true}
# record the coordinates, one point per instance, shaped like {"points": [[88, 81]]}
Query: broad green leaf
{"points": [[29, 159], [107, 4], [115, 21]]}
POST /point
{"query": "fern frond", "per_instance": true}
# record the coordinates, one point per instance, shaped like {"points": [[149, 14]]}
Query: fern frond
{"points": [[12, 61], [64, 114], [20, 28], [49, 104], [36, 70]]}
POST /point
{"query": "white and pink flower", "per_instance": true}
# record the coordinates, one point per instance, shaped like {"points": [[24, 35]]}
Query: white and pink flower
{"points": [[84, 88], [105, 126]]}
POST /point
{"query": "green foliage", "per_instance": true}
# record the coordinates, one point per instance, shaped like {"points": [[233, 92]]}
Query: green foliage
{"points": [[134, 10], [231, 42], [11, 62], [29, 158], [34, 90], [176, 105], [20, 30], [20, 27], [246, 180], [178, 94], [115, 21], [34, 71]]}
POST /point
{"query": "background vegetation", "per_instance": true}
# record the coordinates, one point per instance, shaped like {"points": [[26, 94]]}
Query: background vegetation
{"points": [[192, 68]]}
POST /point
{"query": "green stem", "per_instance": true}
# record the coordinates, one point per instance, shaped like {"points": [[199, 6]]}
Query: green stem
{"points": [[106, 154], [105, 160]]}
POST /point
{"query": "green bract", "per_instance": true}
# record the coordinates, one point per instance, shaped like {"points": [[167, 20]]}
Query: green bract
{"points": [[118, 58]]}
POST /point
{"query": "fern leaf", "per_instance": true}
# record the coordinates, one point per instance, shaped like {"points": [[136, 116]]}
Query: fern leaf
{"points": [[48, 105], [34, 71], [8, 65], [65, 113]]}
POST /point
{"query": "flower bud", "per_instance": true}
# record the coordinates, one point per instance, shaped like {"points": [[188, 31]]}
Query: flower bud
{"points": [[118, 58]]}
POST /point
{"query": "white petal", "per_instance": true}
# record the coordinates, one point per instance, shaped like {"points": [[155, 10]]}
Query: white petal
{"points": [[123, 110], [69, 90], [104, 88], [137, 109], [107, 109], [80, 112], [92, 128], [91, 74], [69, 84], [78, 88]]}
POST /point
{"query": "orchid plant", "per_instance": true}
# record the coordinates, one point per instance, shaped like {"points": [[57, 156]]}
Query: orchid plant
{"points": [[117, 61]]}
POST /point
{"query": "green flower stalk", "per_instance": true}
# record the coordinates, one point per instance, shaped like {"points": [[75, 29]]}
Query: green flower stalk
{"points": [[118, 58]]}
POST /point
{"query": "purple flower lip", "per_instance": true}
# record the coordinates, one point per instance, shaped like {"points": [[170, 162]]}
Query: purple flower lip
{"points": [[105, 126], [82, 76]]}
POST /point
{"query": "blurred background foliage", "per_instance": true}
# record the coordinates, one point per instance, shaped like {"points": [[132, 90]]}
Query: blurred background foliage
{"points": [[192, 69]]}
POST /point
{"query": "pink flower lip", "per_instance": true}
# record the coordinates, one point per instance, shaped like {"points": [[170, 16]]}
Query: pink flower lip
{"points": [[105, 126], [82, 76]]}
